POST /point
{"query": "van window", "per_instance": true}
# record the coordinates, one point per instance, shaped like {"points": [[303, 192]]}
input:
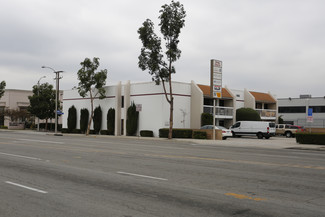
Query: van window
{"points": [[281, 126], [236, 125], [272, 125]]}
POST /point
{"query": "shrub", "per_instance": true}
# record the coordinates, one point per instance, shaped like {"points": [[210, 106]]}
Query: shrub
{"points": [[146, 133], [104, 132], [206, 119], [111, 121], [132, 120], [97, 119], [84, 118], [177, 133], [64, 130], [310, 138], [199, 135], [247, 114], [72, 118], [3, 127]]}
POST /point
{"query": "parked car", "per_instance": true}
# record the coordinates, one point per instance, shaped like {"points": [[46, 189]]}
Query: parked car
{"points": [[259, 128], [288, 130], [225, 132]]}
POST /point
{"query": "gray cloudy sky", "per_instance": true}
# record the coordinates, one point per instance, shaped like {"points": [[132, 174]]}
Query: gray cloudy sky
{"points": [[276, 46]]}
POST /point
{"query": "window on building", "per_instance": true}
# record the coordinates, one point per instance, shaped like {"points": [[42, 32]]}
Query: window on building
{"points": [[222, 103], [122, 102], [208, 101], [318, 109], [258, 105], [292, 109]]}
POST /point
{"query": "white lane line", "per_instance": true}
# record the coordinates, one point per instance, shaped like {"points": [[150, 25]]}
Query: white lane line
{"points": [[21, 156], [143, 176], [32, 140], [26, 187]]}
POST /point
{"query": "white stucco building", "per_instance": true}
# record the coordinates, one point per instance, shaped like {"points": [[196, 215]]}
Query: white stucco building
{"points": [[190, 101], [154, 112]]}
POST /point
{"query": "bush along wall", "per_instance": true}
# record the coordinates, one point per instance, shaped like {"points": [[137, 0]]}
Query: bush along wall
{"points": [[146, 133], [84, 118], [72, 118], [97, 119], [310, 138], [199, 135], [132, 120], [111, 121], [177, 133], [206, 119]]}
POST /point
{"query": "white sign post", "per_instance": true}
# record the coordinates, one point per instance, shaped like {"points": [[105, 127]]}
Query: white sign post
{"points": [[215, 87]]}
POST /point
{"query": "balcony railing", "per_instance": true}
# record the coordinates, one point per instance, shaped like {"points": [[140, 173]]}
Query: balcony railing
{"points": [[221, 112], [267, 114]]}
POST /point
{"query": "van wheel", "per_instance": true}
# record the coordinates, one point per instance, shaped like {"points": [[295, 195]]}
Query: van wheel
{"points": [[288, 134], [260, 136], [267, 137], [233, 134]]}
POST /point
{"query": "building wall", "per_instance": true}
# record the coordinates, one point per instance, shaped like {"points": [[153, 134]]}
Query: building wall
{"points": [[196, 106], [155, 109], [300, 118]]}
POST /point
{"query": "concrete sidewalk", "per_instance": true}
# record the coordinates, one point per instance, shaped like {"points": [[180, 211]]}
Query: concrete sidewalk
{"points": [[252, 142]]}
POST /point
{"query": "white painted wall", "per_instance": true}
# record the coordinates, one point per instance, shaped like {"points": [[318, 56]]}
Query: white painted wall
{"points": [[155, 108]]}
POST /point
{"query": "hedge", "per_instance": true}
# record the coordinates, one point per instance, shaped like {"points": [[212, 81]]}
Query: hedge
{"points": [[199, 135], [177, 133], [311, 138], [146, 133]]}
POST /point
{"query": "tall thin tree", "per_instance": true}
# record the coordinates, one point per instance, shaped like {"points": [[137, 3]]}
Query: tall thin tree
{"points": [[172, 20], [91, 83]]}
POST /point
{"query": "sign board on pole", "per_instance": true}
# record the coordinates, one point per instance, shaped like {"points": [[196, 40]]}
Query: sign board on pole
{"points": [[310, 115], [138, 107], [216, 79]]}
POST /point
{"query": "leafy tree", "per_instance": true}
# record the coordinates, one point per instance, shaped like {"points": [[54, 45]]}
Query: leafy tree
{"points": [[111, 121], [72, 118], [172, 20], [2, 88], [16, 115], [42, 102], [206, 119], [84, 118], [97, 119], [132, 120], [91, 83], [247, 114], [280, 120]]}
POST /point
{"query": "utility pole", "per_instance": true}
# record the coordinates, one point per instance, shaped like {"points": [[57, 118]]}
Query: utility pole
{"points": [[57, 78]]}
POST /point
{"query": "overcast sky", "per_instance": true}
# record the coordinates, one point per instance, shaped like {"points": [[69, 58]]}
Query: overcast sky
{"points": [[265, 45]]}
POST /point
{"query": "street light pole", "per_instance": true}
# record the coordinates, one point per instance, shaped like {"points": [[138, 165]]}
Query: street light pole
{"points": [[38, 99], [57, 77]]}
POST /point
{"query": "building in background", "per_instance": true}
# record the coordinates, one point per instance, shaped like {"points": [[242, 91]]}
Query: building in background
{"points": [[17, 100], [295, 111]]}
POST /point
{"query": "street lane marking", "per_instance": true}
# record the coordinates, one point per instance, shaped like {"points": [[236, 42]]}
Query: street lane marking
{"points": [[26, 187], [20, 156], [242, 196], [143, 176], [32, 140], [237, 161]]}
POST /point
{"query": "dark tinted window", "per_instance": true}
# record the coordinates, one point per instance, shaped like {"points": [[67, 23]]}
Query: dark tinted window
{"points": [[292, 109], [272, 125], [318, 109]]}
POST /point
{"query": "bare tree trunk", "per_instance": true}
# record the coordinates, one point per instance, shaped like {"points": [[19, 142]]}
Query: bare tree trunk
{"points": [[91, 114], [171, 105]]}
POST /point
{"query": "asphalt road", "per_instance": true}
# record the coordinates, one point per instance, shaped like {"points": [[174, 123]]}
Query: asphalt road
{"points": [[44, 175]]}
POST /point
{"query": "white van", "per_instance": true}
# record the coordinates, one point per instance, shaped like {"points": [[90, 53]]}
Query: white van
{"points": [[259, 128]]}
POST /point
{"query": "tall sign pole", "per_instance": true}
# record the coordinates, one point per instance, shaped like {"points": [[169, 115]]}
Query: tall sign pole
{"points": [[215, 86]]}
